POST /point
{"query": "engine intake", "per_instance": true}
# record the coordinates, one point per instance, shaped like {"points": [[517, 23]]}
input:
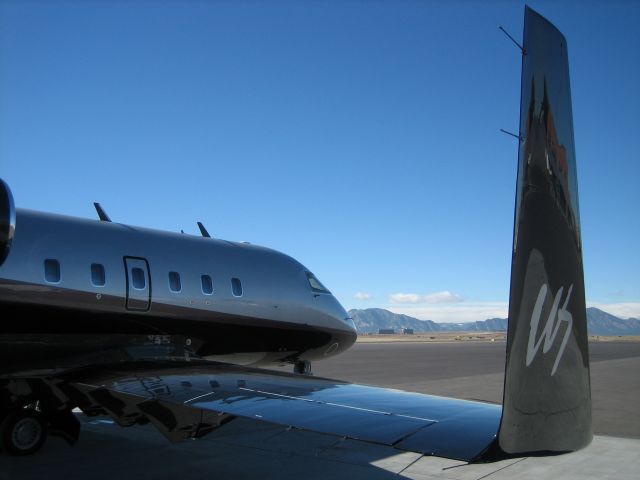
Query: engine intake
{"points": [[7, 220]]}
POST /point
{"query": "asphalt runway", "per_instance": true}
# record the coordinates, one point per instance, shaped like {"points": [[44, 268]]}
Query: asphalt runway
{"points": [[475, 371]]}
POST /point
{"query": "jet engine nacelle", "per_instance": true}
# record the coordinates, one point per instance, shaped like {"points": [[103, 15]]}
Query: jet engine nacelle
{"points": [[7, 220]]}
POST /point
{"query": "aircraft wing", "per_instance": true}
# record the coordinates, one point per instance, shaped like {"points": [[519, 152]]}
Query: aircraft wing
{"points": [[189, 400]]}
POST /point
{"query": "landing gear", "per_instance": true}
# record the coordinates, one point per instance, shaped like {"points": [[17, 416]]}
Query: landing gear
{"points": [[31, 409], [22, 431], [302, 367]]}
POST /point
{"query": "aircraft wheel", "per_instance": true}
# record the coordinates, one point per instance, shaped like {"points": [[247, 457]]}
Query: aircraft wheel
{"points": [[22, 432]]}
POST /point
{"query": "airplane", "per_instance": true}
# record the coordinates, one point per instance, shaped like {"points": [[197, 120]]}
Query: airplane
{"points": [[173, 329]]}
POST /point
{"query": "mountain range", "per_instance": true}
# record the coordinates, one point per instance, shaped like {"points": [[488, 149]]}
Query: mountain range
{"points": [[371, 320]]}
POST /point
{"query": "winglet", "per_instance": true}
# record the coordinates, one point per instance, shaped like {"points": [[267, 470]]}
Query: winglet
{"points": [[547, 393], [101, 213]]}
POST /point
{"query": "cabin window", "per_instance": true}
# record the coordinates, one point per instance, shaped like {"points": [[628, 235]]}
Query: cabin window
{"points": [[236, 287], [97, 275], [52, 270], [174, 282], [137, 278], [207, 284], [315, 284]]}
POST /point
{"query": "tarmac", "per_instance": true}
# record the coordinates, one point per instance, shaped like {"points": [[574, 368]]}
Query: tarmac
{"points": [[252, 449]]}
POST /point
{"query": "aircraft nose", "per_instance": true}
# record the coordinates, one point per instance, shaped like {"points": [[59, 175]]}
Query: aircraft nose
{"points": [[353, 331], [339, 313], [348, 331], [351, 324]]}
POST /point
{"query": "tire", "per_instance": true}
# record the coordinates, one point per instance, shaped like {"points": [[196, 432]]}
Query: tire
{"points": [[22, 432]]}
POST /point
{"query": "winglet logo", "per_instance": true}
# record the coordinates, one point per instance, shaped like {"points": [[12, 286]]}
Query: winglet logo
{"points": [[551, 327]]}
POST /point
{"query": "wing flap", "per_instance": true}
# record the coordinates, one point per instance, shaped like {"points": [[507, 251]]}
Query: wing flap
{"points": [[409, 421]]}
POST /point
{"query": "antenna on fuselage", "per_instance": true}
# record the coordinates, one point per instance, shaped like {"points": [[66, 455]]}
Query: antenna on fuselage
{"points": [[203, 230], [101, 213]]}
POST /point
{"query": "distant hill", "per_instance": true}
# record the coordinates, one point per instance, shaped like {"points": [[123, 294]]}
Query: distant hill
{"points": [[603, 323], [372, 320]]}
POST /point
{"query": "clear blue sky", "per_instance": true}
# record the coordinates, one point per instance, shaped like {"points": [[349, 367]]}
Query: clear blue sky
{"points": [[360, 137]]}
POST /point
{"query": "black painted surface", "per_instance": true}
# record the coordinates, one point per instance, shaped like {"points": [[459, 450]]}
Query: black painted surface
{"points": [[547, 398]]}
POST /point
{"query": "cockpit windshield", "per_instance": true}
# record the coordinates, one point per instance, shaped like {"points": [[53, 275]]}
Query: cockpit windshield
{"points": [[316, 286]]}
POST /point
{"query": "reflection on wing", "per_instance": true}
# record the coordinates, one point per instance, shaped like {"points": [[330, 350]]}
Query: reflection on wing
{"points": [[192, 401]]}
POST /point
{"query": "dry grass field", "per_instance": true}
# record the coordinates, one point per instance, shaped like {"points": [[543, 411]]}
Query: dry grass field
{"points": [[446, 337]]}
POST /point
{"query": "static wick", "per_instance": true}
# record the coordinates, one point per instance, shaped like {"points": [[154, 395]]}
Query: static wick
{"points": [[512, 134], [513, 40]]}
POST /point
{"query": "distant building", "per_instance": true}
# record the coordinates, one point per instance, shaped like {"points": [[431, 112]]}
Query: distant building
{"points": [[386, 331], [407, 331]]}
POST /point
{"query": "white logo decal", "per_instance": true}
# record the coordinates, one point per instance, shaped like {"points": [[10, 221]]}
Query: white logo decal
{"points": [[551, 327]]}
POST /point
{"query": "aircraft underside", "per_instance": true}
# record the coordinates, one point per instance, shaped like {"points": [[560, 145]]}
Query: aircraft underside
{"points": [[66, 337]]}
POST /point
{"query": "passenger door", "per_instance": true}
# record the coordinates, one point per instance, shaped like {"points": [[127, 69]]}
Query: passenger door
{"points": [[138, 283]]}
